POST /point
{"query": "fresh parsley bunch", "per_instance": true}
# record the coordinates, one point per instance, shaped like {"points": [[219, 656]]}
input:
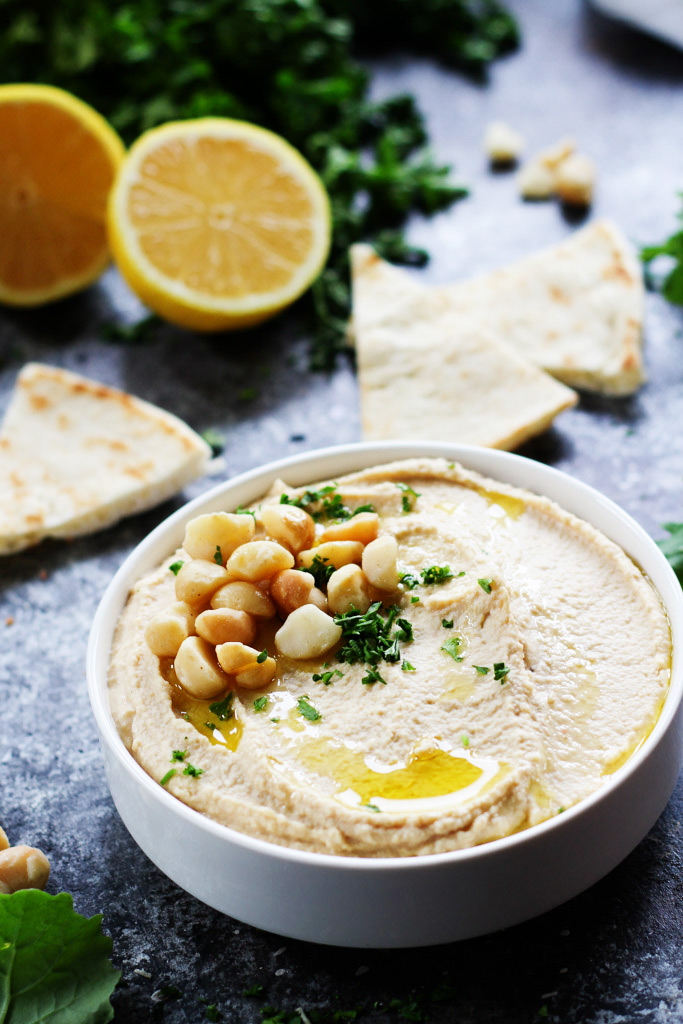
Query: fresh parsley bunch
{"points": [[289, 65]]}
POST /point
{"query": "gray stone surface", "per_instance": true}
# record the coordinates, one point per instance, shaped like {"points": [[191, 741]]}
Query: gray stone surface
{"points": [[611, 955]]}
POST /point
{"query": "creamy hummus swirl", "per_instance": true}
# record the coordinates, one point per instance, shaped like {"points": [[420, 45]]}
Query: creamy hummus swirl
{"points": [[536, 669]]}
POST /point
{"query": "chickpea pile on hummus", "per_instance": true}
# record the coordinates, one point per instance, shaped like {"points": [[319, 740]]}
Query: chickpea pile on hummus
{"points": [[408, 660]]}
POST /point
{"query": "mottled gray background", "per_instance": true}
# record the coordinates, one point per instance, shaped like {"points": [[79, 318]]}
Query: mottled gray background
{"points": [[611, 955]]}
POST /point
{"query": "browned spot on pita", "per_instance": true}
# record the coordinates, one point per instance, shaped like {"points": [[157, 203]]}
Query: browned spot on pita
{"points": [[63, 421], [36, 518], [558, 295], [39, 402], [141, 471]]}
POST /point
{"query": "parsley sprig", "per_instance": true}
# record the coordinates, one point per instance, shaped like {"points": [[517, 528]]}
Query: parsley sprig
{"points": [[671, 249], [324, 504], [672, 547]]}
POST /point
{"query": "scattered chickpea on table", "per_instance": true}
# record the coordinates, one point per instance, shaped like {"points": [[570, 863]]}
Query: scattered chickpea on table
{"points": [[21, 867]]}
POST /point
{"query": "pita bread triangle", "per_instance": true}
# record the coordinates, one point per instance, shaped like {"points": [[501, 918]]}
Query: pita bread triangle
{"points": [[428, 372], [76, 456], [574, 309]]}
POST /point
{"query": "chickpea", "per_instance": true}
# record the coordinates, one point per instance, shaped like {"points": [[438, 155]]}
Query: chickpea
{"points": [[307, 633], [364, 528], [224, 530], [244, 597], [380, 563], [335, 552], [167, 630], [254, 677], [23, 867], [348, 587], [259, 560], [317, 598], [221, 625], [198, 579], [502, 144], [290, 589], [233, 657], [576, 180], [536, 181], [197, 669], [289, 525]]}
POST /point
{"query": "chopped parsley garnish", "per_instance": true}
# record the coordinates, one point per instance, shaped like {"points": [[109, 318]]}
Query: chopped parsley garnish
{"points": [[452, 646], [275, 720], [178, 755], [190, 769], [436, 574], [408, 498], [260, 703], [483, 670], [218, 555], [371, 807], [407, 667], [447, 623], [320, 569], [323, 504], [307, 710], [372, 676], [167, 777], [500, 670], [175, 567], [465, 740], [485, 583], [408, 580], [368, 636], [327, 677], [414, 600], [241, 511], [404, 631], [223, 709], [262, 657]]}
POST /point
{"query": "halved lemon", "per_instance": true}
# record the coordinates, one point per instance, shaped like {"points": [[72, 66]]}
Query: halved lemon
{"points": [[58, 160], [216, 223]]}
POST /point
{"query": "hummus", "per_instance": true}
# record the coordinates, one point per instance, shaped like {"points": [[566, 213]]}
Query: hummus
{"points": [[539, 662]]}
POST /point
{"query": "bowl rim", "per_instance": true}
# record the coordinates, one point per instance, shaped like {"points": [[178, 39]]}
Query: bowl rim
{"points": [[116, 593]]}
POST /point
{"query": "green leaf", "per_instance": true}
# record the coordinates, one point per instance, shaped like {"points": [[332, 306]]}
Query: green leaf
{"points": [[672, 548], [307, 710], [452, 647], [54, 963]]}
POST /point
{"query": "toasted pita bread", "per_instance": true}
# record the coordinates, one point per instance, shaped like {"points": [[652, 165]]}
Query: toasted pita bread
{"points": [[575, 309], [427, 372], [76, 456]]}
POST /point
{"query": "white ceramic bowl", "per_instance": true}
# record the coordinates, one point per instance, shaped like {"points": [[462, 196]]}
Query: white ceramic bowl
{"points": [[403, 901]]}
